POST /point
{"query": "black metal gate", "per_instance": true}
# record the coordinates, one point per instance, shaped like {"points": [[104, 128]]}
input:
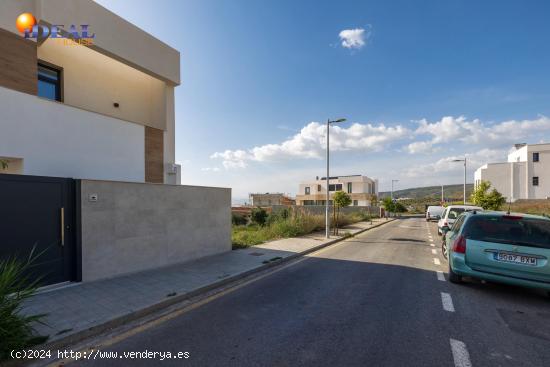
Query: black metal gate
{"points": [[39, 212]]}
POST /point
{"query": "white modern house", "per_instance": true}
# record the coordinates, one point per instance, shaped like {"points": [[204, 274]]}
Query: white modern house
{"points": [[101, 109], [361, 189], [526, 174]]}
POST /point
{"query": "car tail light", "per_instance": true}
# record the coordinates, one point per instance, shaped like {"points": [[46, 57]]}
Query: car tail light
{"points": [[459, 245]]}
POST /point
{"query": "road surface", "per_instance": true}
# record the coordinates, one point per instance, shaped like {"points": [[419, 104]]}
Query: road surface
{"points": [[373, 300]]}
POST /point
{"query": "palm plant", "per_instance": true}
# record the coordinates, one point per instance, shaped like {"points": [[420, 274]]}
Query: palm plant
{"points": [[16, 286]]}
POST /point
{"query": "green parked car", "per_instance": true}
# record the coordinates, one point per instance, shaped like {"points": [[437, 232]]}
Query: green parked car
{"points": [[500, 247]]}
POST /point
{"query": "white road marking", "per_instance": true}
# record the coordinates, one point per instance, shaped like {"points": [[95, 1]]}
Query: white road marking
{"points": [[440, 276], [432, 244], [460, 354], [434, 251], [447, 302], [436, 261]]}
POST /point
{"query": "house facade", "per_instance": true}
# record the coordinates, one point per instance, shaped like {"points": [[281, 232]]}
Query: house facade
{"points": [[526, 174], [362, 190], [269, 199], [100, 109]]}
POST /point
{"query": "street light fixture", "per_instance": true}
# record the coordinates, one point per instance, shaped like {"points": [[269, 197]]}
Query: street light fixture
{"points": [[463, 160], [327, 219]]}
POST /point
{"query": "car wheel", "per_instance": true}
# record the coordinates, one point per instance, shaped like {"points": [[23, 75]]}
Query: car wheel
{"points": [[454, 277]]}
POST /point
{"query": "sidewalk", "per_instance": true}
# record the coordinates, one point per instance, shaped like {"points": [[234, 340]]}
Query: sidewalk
{"points": [[84, 309]]}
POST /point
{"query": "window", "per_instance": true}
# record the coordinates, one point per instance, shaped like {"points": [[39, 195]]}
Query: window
{"points": [[318, 187], [335, 187], [509, 230], [49, 82], [355, 203], [535, 181], [535, 157], [307, 190], [349, 187]]}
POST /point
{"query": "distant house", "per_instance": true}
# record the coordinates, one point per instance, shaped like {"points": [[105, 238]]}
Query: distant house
{"points": [[526, 174], [361, 188], [269, 199]]}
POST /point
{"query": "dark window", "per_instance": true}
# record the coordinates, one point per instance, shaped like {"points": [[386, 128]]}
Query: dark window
{"points": [[307, 190], [335, 187], [49, 82], [458, 224], [535, 181], [318, 187], [455, 212], [535, 157], [349, 187], [355, 203], [511, 230]]}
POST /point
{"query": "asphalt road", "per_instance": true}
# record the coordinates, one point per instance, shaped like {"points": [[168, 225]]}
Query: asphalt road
{"points": [[373, 300]]}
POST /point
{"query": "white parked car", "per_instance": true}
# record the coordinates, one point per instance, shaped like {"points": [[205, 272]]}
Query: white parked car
{"points": [[451, 213], [434, 212]]}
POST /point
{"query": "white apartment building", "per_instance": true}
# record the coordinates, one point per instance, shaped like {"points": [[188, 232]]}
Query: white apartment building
{"points": [[361, 189], [526, 174], [99, 110]]}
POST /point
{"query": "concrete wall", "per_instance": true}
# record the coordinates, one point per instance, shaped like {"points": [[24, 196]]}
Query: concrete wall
{"points": [[134, 227], [53, 139]]}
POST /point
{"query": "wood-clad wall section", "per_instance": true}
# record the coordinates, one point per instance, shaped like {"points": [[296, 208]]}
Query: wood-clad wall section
{"points": [[18, 63], [154, 155]]}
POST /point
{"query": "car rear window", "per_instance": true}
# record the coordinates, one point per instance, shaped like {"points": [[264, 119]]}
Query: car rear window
{"points": [[455, 212], [512, 230]]}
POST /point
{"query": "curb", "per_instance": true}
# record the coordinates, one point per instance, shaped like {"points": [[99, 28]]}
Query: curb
{"points": [[119, 321]]}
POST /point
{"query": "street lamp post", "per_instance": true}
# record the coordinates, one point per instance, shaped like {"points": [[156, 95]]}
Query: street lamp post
{"points": [[327, 218], [463, 160]]}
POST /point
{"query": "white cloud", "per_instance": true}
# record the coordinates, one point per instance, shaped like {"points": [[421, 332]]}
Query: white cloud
{"points": [[353, 38], [210, 169], [476, 132], [445, 165], [310, 143]]}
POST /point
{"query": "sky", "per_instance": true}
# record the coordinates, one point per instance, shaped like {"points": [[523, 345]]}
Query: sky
{"points": [[420, 84]]}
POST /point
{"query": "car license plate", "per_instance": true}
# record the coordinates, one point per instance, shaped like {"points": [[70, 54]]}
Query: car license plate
{"points": [[517, 259]]}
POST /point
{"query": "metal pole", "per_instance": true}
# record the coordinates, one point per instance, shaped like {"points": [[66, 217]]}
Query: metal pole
{"points": [[464, 180], [391, 195], [442, 195], [327, 220]]}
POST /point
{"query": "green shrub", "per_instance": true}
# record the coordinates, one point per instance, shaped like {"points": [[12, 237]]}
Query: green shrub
{"points": [[238, 220], [258, 216], [16, 331]]}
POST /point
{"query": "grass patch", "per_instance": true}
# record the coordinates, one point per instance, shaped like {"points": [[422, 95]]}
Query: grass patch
{"points": [[285, 224]]}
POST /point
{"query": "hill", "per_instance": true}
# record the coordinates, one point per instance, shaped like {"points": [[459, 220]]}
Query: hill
{"points": [[431, 192]]}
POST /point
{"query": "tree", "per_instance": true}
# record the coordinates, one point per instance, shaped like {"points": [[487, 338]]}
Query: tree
{"points": [[388, 204], [258, 216], [488, 200], [341, 200], [374, 200], [398, 207], [3, 164]]}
